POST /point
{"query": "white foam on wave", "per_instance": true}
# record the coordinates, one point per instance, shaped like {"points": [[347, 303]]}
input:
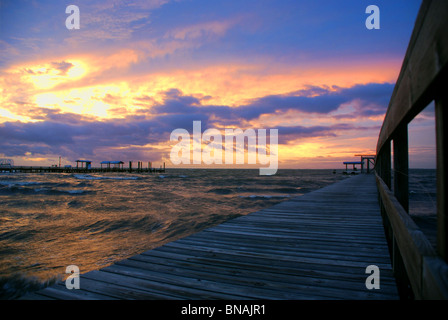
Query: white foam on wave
{"points": [[264, 196], [18, 183], [89, 177], [122, 178], [74, 191], [86, 177]]}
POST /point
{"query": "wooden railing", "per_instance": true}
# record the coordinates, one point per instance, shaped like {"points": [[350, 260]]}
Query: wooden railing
{"points": [[420, 269]]}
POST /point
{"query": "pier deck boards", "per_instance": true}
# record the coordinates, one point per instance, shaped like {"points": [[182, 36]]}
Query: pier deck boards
{"points": [[316, 246]]}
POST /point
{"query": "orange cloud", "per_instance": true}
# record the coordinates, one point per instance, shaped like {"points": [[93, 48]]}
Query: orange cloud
{"points": [[86, 84]]}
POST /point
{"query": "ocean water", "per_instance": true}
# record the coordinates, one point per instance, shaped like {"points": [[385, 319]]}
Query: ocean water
{"points": [[423, 201], [49, 221]]}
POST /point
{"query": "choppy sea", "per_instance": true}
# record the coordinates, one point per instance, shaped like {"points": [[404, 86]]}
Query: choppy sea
{"points": [[51, 220]]}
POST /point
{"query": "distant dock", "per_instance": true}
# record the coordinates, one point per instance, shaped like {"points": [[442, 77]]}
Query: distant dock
{"points": [[84, 169], [365, 159]]}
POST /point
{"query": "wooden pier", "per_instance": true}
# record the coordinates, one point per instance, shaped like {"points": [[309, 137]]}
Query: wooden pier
{"points": [[57, 169], [316, 246]]}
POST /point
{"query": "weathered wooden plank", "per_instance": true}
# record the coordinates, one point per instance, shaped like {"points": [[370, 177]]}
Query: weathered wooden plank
{"points": [[308, 246], [297, 240], [303, 215], [228, 264], [59, 292], [293, 249], [299, 236], [284, 271], [193, 287], [116, 291], [302, 218], [245, 260], [298, 226], [316, 231], [275, 258], [267, 283], [214, 283], [239, 263], [154, 282], [401, 166], [384, 160], [155, 285]]}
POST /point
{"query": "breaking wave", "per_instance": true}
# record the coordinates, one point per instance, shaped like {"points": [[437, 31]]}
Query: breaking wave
{"points": [[90, 177], [264, 196], [18, 285]]}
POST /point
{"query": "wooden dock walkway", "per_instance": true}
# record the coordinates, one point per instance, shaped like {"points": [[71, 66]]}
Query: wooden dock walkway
{"points": [[316, 246]]}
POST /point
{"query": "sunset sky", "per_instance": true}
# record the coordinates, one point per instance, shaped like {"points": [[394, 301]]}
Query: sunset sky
{"points": [[136, 70]]}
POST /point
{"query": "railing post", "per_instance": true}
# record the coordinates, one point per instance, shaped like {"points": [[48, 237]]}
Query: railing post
{"points": [[441, 105], [401, 166], [386, 164]]}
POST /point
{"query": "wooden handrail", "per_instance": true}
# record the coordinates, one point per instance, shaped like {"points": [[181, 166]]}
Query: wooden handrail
{"points": [[423, 78], [423, 269]]}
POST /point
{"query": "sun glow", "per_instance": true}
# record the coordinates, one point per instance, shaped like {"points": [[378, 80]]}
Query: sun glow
{"points": [[51, 74]]}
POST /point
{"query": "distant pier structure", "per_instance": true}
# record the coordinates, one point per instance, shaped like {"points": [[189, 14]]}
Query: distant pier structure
{"points": [[111, 165], [85, 164], [366, 160], [82, 166], [6, 163]]}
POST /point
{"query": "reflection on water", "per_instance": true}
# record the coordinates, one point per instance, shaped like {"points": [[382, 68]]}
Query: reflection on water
{"points": [[423, 201]]}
